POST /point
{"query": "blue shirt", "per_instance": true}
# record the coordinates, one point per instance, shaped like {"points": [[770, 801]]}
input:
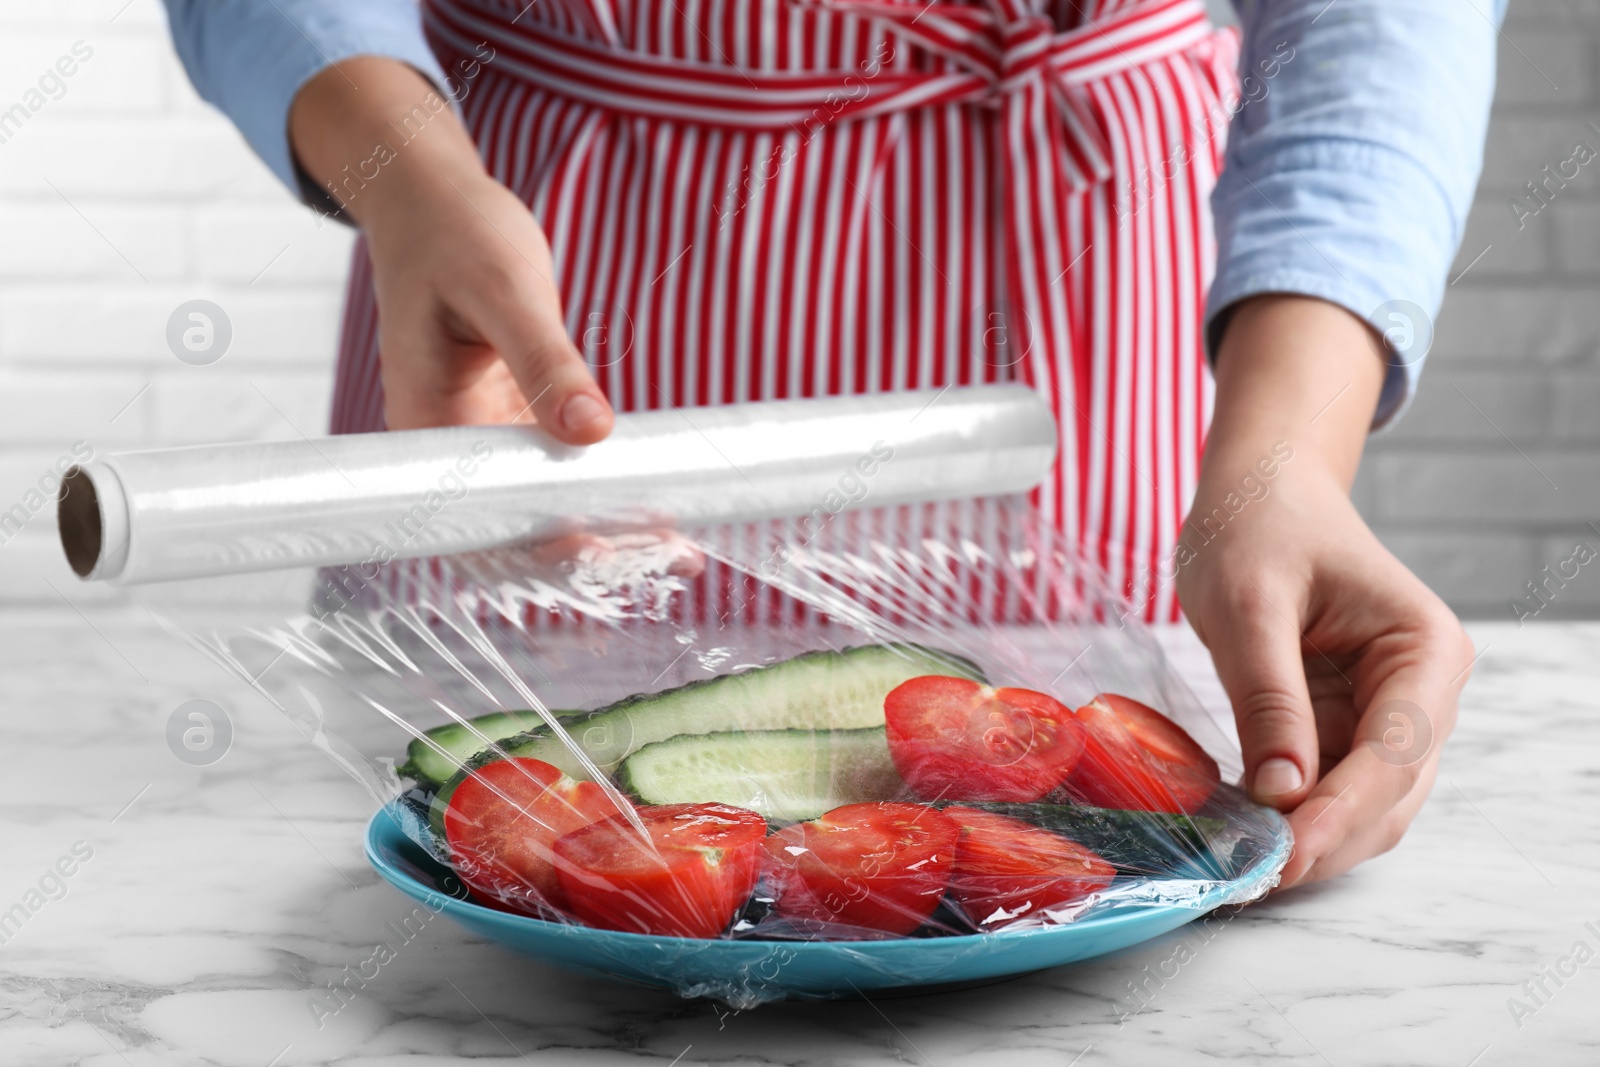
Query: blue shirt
{"points": [[1350, 164]]}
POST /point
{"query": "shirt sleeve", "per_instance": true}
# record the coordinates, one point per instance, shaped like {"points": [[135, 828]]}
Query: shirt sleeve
{"points": [[250, 57], [1352, 160]]}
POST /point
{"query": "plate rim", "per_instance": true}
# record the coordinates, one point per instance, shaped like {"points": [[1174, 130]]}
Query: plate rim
{"points": [[458, 908]]}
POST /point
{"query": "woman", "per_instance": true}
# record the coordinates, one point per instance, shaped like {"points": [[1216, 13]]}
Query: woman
{"points": [[720, 200]]}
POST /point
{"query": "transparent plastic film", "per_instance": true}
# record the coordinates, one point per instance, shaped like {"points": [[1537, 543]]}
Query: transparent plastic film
{"points": [[858, 728]]}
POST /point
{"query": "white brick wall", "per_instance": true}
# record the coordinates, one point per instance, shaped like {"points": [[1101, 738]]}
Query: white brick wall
{"points": [[1477, 501], [118, 202], [184, 210]]}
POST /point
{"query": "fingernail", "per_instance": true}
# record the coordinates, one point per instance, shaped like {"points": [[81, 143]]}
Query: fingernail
{"points": [[1277, 776], [581, 412]]}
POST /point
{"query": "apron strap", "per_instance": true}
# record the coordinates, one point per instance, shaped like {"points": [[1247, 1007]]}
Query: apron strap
{"points": [[1001, 54]]}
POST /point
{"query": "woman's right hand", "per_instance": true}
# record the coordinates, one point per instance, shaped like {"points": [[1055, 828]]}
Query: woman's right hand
{"points": [[469, 316]]}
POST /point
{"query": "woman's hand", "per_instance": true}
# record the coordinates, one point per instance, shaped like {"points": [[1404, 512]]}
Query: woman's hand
{"points": [[1343, 668], [469, 315]]}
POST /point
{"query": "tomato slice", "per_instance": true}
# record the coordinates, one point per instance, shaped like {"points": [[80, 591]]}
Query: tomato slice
{"points": [[954, 739], [879, 865], [689, 880], [1139, 759], [1006, 869], [503, 820]]}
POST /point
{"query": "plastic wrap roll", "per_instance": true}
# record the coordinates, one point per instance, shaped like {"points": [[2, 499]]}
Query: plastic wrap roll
{"points": [[211, 510]]}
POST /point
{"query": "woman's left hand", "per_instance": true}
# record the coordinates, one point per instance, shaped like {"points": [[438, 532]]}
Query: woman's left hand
{"points": [[1342, 667]]}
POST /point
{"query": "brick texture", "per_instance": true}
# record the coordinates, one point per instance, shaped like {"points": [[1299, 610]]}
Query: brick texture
{"points": [[1495, 473], [127, 196], [119, 200]]}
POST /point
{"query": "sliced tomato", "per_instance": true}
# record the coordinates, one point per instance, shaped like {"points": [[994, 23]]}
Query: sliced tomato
{"points": [[881, 865], [503, 820], [954, 739], [689, 879], [1139, 759], [1006, 869]]}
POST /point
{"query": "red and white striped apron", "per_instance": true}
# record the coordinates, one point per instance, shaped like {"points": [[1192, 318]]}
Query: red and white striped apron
{"points": [[755, 199]]}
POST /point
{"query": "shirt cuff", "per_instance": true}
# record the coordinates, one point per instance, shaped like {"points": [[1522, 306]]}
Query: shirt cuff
{"points": [[1400, 374], [1353, 223], [262, 59]]}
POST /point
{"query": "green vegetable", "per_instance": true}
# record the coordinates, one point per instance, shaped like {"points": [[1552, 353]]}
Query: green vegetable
{"points": [[785, 775], [1136, 842], [431, 768], [823, 690]]}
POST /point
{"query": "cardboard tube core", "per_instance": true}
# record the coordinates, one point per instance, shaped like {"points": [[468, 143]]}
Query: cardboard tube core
{"points": [[78, 516], [91, 513]]}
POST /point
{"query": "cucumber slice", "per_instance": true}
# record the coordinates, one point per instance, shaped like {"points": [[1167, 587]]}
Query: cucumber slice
{"points": [[431, 768], [823, 690], [1136, 842], [785, 775], [815, 691]]}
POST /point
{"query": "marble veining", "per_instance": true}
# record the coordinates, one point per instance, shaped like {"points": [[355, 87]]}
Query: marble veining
{"points": [[216, 903]]}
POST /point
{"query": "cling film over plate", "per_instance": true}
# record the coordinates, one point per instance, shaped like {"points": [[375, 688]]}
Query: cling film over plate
{"points": [[927, 723]]}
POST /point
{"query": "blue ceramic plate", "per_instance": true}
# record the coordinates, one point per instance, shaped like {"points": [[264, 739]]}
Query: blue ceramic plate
{"points": [[747, 972]]}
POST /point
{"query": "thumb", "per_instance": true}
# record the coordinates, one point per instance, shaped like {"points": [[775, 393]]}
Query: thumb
{"points": [[526, 330], [1257, 654]]}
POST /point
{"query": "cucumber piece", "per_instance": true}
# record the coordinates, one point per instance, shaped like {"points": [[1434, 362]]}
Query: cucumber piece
{"points": [[1135, 842], [431, 768], [823, 690], [815, 691], [785, 775]]}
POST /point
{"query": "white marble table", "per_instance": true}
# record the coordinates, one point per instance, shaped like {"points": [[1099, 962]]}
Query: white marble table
{"points": [[214, 901]]}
